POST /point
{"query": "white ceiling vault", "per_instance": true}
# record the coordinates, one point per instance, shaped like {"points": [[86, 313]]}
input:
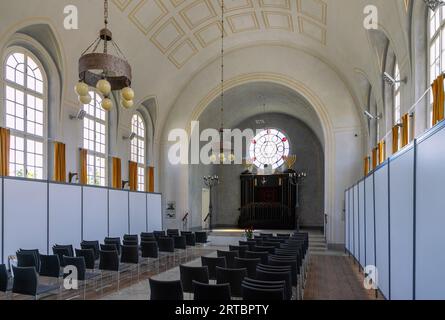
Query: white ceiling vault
{"points": [[181, 28]]}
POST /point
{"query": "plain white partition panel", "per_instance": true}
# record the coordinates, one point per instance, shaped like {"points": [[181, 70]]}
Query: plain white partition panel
{"points": [[65, 214], [381, 229], [356, 223], [25, 217], [347, 220], [95, 213], [154, 204], [361, 223], [430, 218], [138, 213], [401, 225], [369, 211], [351, 221], [118, 213]]}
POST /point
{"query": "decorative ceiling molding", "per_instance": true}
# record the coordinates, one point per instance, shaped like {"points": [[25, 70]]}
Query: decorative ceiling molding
{"points": [[195, 24]]}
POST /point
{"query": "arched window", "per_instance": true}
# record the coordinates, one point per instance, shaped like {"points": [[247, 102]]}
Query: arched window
{"points": [[94, 140], [436, 48], [397, 113], [25, 114], [138, 148]]}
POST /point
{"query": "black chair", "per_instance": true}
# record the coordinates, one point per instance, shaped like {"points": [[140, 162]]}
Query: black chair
{"points": [[130, 255], [166, 244], [188, 274], [269, 249], [277, 276], [109, 247], [172, 232], [129, 242], [4, 279], [190, 239], [271, 244], [249, 243], [241, 250], [131, 237], [211, 292], [180, 242], [263, 256], [147, 235], [26, 282], [91, 245], [249, 264], [69, 247], [166, 290], [211, 263], [290, 263], [148, 239], [50, 266], [88, 255], [116, 241], [201, 237], [265, 293], [26, 259], [232, 276], [230, 257], [60, 252], [159, 234], [283, 235], [149, 249], [82, 275], [109, 261], [35, 253]]}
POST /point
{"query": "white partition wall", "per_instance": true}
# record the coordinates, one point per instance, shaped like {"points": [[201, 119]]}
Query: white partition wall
{"points": [[351, 219], [118, 213], [154, 204], [1, 220], [356, 224], [430, 217], [381, 229], [65, 214], [401, 225], [361, 223], [347, 220], [25, 216], [95, 213], [138, 212], [369, 218]]}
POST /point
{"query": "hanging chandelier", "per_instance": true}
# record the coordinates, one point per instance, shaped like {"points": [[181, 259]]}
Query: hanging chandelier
{"points": [[104, 71], [225, 151]]}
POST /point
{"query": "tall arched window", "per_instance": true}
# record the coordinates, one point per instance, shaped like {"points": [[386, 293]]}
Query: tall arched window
{"points": [[436, 48], [138, 148], [397, 112], [25, 108], [94, 140]]}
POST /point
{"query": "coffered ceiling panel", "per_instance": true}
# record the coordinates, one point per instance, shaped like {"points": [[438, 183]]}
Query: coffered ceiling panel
{"points": [[278, 20], [183, 53], [280, 4], [197, 13], [167, 35], [177, 3], [147, 14], [209, 34], [243, 22], [122, 4], [232, 5], [315, 9], [312, 30]]}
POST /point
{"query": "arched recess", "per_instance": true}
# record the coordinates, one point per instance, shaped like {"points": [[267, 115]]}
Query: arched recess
{"points": [[39, 39]]}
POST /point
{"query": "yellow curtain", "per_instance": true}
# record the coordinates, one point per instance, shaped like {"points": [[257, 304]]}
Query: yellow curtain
{"points": [[438, 99], [83, 177], [405, 130], [395, 139], [366, 166], [382, 153], [151, 177], [4, 151], [117, 173], [133, 175], [59, 162], [374, 157]]}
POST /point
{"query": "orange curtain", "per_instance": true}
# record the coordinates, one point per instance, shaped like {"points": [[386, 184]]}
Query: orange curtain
{"points": [[59, 162], [366, 166], [151, 179], [382, 153], [405, 130], [83, 178], [438, 99], [133, 175], [374, 157], [117, 173], [395, 139], [5, 140]]}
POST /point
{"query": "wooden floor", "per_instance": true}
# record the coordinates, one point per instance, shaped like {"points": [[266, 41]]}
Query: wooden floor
{"points": [[335, 277]]}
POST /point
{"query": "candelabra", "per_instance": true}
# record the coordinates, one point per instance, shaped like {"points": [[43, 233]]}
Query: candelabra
{"points": [[296, 178], [210, 182]]}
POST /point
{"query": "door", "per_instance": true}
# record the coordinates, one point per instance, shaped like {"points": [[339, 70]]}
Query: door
{"points": [[205, 202]]}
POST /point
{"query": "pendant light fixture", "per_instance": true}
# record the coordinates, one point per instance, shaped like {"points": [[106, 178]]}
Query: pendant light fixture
{"points": [[104, 71]]}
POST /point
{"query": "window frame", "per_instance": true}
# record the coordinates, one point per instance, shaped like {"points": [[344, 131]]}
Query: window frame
{"points": [[43, 96], [141, 165], [94, 153]]}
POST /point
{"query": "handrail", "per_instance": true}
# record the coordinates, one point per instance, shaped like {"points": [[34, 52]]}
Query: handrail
{"points": [[185, 217], [207, 217]]}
